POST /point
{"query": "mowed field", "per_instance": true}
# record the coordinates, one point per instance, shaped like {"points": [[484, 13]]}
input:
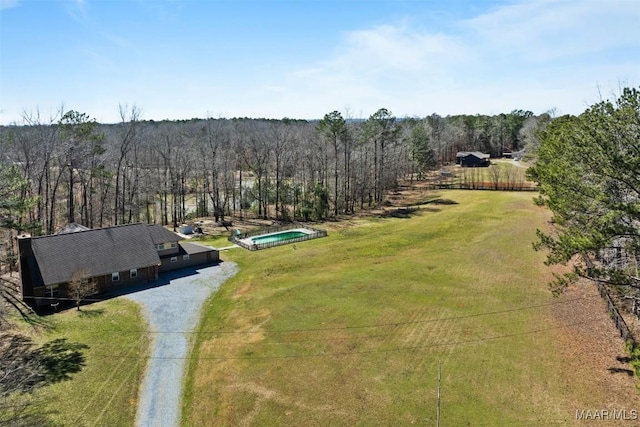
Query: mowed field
{"points": [[104, 392], [350, 329]]}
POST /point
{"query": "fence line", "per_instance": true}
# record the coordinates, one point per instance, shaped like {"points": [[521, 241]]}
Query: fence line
{"points": [[621, 325], [480, 186], [267, 230]]}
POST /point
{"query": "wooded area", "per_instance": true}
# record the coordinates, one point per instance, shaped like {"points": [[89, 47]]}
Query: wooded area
{"points": [[167, 172], [588, 171], [69, 168]]}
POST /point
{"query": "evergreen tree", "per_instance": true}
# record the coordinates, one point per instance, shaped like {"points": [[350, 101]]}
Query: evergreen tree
{"points": [[588, 170]]}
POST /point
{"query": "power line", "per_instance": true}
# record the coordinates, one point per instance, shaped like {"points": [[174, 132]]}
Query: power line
{"points": [[353, 337], [366, 326], [350, 353]]}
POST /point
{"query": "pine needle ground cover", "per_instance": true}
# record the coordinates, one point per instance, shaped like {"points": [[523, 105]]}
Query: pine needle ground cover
{"points": [[350, 329]]}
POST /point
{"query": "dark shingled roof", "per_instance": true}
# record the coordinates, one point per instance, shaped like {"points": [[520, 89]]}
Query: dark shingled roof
{"points": [[473, 153], [194, 248], [99, 252], [159, 234]]}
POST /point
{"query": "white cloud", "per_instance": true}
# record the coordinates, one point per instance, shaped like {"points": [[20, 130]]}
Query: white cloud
{"points": [[549, 29], [394, 48], [533, 55], [373, 68]]}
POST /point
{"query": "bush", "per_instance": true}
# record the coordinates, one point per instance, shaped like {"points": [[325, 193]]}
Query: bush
{"points": [[634, 357]]}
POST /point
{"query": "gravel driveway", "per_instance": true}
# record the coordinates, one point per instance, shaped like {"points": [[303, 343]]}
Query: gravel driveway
{"points": [[172, 309]]}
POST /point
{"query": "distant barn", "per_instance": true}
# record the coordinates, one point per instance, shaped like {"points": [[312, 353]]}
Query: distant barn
{"points": [[472, 159]]}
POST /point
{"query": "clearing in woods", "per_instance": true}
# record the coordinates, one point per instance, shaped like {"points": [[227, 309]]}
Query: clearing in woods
{"points": [[349, 330]]}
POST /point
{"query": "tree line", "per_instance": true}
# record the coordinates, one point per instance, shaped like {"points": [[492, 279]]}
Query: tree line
{"points": [[165, 172], [588, 171], [588, 174]]}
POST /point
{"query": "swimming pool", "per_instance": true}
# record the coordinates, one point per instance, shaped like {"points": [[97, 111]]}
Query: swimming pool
{"points": [[281, 237], [278, 237]]}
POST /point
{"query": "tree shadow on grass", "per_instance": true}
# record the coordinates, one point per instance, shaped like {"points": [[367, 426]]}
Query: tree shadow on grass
{"points": [[29, 316], [622, 359], [416, 209], [629, 372], [60, 359], [441, 201], [404, 213], [22, 411], [24, 369]]}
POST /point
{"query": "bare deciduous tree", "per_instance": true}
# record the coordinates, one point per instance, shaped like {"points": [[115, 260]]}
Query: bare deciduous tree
{"points": [[80, 287]]}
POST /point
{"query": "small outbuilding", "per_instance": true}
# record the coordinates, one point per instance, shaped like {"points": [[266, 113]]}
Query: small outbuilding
{"points": [[472, 159]]}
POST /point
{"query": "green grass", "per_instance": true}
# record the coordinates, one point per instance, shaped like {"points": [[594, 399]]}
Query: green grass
{"points": [[104, 392], [350, 329]]}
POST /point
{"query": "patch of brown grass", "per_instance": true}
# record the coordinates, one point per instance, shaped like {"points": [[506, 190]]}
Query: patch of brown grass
{"points": [[590, 348]]}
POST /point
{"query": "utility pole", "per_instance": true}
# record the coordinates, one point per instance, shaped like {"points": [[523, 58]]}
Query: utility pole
{"points": [[438, 409]]}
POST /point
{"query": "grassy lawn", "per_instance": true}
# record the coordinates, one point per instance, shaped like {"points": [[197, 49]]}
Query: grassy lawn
{"points": [[350, 329], [104, 392]]}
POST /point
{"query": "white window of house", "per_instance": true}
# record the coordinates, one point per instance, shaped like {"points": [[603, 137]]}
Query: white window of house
{"points": [[115, 276], [133, 273], [174, 245], [174, 259], [160, 246], [185, 257]]}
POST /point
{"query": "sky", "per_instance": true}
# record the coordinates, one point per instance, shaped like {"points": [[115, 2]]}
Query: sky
{"points": [[183, 59]]}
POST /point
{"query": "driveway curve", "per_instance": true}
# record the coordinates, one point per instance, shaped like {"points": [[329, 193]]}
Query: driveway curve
{"points": [[172, 308]]}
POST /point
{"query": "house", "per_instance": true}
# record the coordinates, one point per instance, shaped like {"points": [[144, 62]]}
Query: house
{"points": [[472, 159], [73, 227], [110, 258]]}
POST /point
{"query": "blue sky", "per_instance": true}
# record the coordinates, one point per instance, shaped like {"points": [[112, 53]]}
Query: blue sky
{"points": [[179, 59]]}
